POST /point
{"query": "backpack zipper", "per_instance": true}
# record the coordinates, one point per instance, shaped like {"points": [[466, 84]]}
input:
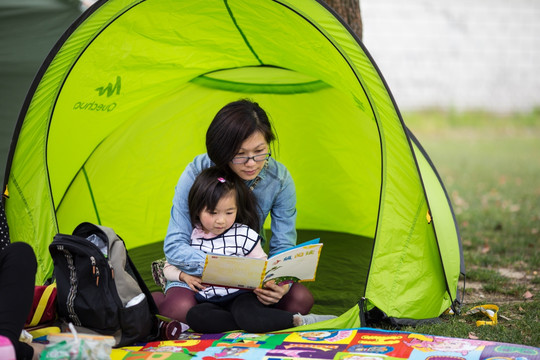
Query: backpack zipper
{"points": [[112, 270], [95, 269]]}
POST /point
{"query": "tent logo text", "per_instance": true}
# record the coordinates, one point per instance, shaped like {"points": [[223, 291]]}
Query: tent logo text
{"points": [[93, 106], [110, 89]]}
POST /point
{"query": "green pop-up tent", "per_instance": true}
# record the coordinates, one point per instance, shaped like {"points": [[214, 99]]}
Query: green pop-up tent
{"points": [[122, 103]]}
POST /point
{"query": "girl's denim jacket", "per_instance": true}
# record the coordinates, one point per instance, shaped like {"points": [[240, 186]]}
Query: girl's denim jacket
{"points": [[275, 193]]}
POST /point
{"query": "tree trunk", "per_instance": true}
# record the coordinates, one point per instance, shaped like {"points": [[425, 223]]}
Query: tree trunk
{"points": [[349, 10]]}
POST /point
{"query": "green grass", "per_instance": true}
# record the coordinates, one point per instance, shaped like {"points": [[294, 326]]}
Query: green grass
{"points": [[490, 165], [519, 326]]}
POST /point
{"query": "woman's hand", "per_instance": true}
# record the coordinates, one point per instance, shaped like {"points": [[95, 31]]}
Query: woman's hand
{"points": [[271, 293], [194, 282]]}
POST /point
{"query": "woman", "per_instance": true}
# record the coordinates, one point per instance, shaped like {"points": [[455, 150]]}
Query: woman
{"points": [[237, 140]]}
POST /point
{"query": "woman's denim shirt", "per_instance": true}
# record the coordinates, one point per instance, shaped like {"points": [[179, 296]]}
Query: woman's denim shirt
{"points": [[275, 193]]}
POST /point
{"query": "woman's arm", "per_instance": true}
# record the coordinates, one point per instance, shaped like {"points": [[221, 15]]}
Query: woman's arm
{"points": [[283, 214], [283, 211], [177, 241]]}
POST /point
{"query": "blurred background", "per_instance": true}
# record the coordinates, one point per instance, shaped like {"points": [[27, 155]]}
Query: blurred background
{"points": [[457, 55]]}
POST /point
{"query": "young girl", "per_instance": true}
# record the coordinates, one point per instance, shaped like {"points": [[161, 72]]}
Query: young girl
{"points": [[223, 213]]}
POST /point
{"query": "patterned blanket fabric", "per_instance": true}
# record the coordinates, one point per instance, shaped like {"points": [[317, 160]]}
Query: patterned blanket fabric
{"points": [[357, 344]]}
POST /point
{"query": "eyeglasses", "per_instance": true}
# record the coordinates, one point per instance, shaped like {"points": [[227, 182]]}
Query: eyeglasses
{"points": [[245, 159]]}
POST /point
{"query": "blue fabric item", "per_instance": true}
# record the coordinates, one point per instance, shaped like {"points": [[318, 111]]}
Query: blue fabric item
{"points": [[275, 193]]}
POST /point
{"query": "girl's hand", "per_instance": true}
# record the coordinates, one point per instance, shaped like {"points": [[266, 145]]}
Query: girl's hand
{"points": [[271, 293], [194, 282]]}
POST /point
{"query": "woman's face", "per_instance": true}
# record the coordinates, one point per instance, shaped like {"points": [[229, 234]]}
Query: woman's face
{"points": [[252, 146]]}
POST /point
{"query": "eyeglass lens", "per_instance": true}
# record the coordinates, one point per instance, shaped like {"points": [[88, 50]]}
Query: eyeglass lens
{"points": [[245, 159]]}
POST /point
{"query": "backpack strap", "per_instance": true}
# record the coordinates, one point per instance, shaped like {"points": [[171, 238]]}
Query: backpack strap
{"points": [[42, 304], [151, 303]]}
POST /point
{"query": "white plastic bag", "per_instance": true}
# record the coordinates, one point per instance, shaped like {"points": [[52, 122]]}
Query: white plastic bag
{"points": [[73, 346]]}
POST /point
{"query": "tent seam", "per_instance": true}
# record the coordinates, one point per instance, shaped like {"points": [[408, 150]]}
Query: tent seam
{"points": [[226, 3], [19, 191], [91, 195], [412, 138]]}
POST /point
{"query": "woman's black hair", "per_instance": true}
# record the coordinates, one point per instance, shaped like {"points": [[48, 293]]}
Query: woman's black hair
{"points": [[231, 126], [211, 185]]}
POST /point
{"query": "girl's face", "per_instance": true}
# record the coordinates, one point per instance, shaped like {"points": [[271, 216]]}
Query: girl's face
{"points": [[254, 145], [222, 217]]}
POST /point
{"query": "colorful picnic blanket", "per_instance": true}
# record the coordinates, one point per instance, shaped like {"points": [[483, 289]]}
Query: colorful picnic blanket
{"points": [[358, 343]]}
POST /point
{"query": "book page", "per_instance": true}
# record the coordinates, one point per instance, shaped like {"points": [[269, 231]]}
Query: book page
{"points": [[233, 271], [296, 264]]}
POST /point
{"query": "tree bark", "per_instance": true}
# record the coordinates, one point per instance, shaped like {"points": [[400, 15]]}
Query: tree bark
{"points": [[349, 10]]}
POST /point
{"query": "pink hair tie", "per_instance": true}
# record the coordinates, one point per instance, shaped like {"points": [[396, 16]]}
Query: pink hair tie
{"points": [[221, 180]]}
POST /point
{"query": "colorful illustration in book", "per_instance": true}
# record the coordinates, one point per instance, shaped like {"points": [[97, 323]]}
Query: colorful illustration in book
{"points": [[282, 280]]}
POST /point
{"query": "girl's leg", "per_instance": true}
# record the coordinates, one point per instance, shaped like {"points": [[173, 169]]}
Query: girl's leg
{"points": [[252, 316], [210, 318], [175, 303], [298, 300]]}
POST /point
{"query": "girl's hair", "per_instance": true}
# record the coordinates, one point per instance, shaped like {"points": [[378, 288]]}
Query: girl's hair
{"points": [[232, 125], [211, 185]]}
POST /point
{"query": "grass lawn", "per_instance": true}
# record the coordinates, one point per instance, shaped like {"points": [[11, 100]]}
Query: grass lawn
{"points": [[490, 165]]}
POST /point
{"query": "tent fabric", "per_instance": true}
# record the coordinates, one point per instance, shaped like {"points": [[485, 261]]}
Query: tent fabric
{"points": [[122, 104]]}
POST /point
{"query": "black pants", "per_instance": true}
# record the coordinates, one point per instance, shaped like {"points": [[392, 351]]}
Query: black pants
{"points": [[243, 312], [17, 277]]}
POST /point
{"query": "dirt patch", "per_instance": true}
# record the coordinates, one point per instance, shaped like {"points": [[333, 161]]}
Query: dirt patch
{"points": [[517, 275], [475, 292]]}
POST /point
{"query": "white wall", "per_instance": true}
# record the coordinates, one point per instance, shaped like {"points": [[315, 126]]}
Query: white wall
{"points": [[459, 54]]}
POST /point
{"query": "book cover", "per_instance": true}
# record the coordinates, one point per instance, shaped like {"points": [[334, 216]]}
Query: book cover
{"points": [[295, 264]]}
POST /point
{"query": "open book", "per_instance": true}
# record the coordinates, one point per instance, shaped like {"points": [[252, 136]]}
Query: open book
{"points": [[295, 264]]}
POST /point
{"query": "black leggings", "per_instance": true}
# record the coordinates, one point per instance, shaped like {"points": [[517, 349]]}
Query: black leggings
{"points": [[243, 312], [17, 276]]}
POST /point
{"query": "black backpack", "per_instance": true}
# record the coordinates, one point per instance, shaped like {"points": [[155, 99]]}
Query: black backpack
{"points": [[101, 293]]}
